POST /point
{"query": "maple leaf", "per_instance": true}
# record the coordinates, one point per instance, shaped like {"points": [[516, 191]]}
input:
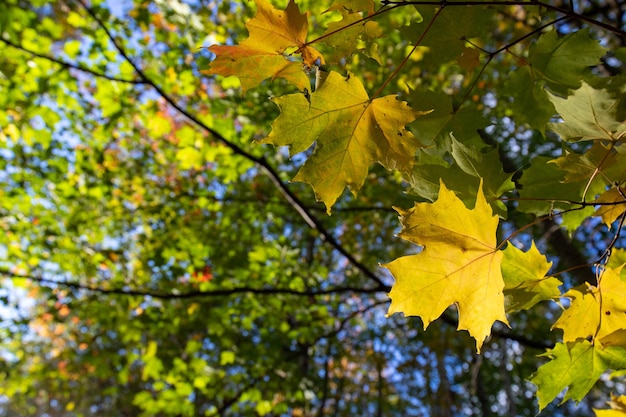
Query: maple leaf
{"points": [[525, 281], [351, 132], [618, 407], [575, 366], [367, 6], [615, 207], [460, 264], [261, 56], [595, 311], [344, 36], [598, 167], [588, 114], [561, 62]]}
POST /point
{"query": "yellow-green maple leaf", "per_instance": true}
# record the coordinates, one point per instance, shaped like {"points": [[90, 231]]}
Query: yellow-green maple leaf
{"points": [[261, 56], [350, 130], [596, 311], [460, 264], [615, 205], [618, 407], [525, 280]]}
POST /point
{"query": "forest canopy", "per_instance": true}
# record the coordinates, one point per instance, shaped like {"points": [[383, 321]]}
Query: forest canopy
{"points": [[305, 208]]}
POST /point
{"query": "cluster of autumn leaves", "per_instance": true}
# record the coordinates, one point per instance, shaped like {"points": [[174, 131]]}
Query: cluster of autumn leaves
{"points": [[461, 261]]}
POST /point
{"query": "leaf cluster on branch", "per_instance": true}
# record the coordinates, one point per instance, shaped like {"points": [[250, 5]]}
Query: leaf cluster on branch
{"points": [[465, 193], [177, 267]]}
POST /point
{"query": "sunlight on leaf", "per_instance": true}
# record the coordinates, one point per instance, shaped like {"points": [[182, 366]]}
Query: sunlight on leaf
{"points": [[575, 366], [459, 264], [525, 281], [588, 114], [595, 311], [350, 131], [261, 56]]}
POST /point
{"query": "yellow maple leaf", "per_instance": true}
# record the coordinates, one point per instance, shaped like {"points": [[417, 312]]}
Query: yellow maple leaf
{"points": [[261, 56], [350, 130], [596, 311], [460, 263], [615, 207], [618, 407]]}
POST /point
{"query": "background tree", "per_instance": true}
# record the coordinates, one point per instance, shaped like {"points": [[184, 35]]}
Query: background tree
{"points": [[157, 260]]}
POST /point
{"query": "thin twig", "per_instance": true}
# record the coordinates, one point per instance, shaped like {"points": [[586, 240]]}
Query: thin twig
{"points": [[193, 294], [69, 65]]}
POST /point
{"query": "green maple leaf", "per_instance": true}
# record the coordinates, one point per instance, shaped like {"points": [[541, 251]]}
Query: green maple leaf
{"points": [[544, 190], [472, 166], [588, 114], [558, 62], [261, 56], [525, 280], [344, 37], [350, 131], [575, 366], [435, 127], [460, 264], [530, 101], [483, 164], [564, 61], [447, 37]]}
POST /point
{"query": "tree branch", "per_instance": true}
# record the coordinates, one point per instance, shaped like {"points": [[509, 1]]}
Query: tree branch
{"points": [[566, 12], [194, 294], [261, 162], [69, 65]]}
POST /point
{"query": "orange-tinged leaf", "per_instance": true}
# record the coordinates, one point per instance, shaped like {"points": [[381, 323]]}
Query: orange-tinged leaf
{"points": [[596, 311], [460, 264], [261, 56], [351, 132], [252, 66]]}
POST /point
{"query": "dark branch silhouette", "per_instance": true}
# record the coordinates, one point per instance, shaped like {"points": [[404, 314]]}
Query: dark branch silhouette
{"points": [[261, 162], [69, 65]]}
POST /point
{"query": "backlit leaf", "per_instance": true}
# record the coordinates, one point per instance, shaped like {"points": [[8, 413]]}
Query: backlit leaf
{"points": [[261, 56], [575, 366], [525, 280], [342, 37], [350, 131], [595, 311], [459, 264], [563, 61], [588, 114], [615, 205]]}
